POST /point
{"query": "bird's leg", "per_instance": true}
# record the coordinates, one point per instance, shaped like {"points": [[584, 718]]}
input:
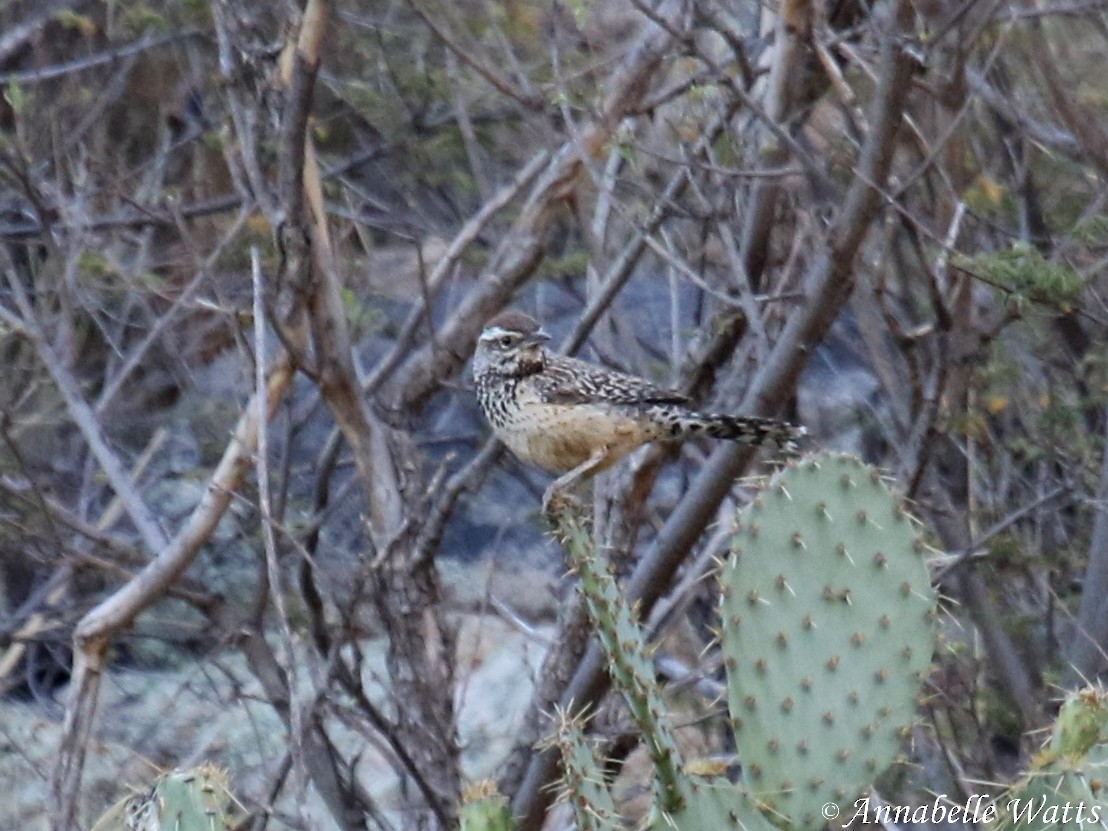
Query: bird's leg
{"points": [[555, 493]]}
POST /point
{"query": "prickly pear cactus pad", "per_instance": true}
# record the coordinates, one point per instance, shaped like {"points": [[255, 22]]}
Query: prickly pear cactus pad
{"points": [[1067, 786], [827, 615], [484, 809], [1082, 723], [705, 806], [194, 799], [583, 782], [1058, 794]]}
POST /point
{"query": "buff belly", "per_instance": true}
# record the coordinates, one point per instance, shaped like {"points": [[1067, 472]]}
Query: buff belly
{"points": [[561, 437]]}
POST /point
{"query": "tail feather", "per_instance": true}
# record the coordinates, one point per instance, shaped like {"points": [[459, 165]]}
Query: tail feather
{"points": [[743, 429]]}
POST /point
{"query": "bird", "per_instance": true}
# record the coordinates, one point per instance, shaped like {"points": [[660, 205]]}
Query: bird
{"points": [[576, 418]]}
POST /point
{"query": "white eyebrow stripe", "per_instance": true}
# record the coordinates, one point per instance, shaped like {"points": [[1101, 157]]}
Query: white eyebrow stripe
{"points": [[497, 332]]}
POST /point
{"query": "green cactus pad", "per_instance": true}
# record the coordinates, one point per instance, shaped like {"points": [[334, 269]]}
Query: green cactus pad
{"points": [[583, 780], [484, 809], [195, 799], [1067, 787], [1061, 795], [708, 804], [827, 634], [1082, 723], [630, 667]]}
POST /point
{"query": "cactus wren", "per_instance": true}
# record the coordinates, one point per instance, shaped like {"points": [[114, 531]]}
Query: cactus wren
{"points": [[575, 418]]}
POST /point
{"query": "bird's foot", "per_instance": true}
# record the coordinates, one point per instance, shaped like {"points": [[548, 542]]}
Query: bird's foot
{"points": [[557, 501]]}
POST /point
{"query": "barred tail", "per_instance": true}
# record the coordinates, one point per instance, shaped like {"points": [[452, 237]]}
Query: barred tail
{"points": [[745, 429]]}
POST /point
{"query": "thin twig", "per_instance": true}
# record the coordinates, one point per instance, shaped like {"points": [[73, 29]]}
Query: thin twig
{"points": [[28, 77], [269, 541]]}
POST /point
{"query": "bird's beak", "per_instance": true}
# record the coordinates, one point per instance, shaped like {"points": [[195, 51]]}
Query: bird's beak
{"points": [[538, 337]]}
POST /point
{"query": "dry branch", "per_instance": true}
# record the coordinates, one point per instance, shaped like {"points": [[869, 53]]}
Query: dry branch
{"points": [[99, 627]]}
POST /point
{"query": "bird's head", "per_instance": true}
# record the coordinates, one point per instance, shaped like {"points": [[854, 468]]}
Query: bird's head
{"points": [[511, 344]]}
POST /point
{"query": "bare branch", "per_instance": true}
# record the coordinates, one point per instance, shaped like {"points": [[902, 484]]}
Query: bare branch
{"points": [[36, 76], [84, 417]]}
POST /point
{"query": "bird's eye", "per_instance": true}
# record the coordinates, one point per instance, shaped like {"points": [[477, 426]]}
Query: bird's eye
{"points": [[506, 341]]}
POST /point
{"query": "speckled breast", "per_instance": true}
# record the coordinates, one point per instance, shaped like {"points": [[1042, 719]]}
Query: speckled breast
{"points": [[559, 437]]}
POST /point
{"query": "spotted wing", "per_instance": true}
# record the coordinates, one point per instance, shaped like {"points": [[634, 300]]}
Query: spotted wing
{"points": [[570, 381]]}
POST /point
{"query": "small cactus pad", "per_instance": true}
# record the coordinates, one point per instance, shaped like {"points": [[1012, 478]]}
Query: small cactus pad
{"points": [[1060, 795], [629, 665], [1067, 786], [827, 634], [583, 781], [1082, 723], [194, 799], [710, 805], [484, 809]]}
